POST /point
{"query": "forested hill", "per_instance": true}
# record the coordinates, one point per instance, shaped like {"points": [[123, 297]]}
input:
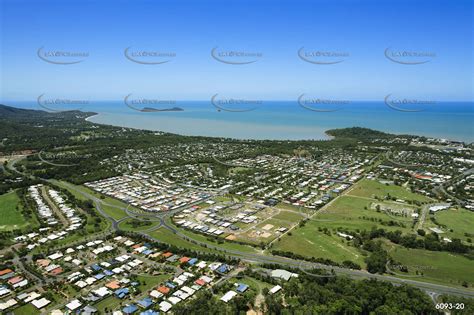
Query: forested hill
{"points": [[27, 129], [360, 133], [14, 114]]}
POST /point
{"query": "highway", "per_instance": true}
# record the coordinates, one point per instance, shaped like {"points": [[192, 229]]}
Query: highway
{"points": [[293, 263], [431, 288]]}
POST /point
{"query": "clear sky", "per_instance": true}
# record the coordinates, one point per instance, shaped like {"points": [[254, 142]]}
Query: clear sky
{"points": [[276, 30]]}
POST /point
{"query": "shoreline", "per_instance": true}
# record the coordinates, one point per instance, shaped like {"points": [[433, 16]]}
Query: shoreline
{"points": [[322, 133], [456, 127], [91, 116]]}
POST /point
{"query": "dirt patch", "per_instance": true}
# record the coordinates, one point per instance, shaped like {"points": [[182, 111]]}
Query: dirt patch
{"points": [[267, 227]]}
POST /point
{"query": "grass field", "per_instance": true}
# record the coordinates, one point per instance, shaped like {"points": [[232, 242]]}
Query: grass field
{"points": [[371, 188], [461, 221], [347, 212], [127, 226], [111, 209], [166, 236], [10, 216], [438, 267], [222, 199], [147, 282], [113, 212], [303, 210], [104, 198], [27, 309], [308, 241], [109, 303], [289, 216]]}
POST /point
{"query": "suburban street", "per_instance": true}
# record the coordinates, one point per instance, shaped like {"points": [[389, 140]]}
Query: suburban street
{"points": [[261, 258]]}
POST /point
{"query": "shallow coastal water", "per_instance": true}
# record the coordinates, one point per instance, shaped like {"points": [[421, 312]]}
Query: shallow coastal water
{"points": [[288, 120]]}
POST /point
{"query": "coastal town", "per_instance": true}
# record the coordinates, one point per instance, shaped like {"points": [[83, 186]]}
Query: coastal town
{"points": [[236, 157], [118, 273], [172, 224]]}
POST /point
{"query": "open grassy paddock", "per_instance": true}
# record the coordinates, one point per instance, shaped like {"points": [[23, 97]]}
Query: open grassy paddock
{"points": [[309, 242], [438, 267], [372, 188], [459, 223], [354, 213], [127, 225], [10, 215]]}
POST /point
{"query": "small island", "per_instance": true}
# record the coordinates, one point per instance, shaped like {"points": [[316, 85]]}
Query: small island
{"points": [[151, 109]]}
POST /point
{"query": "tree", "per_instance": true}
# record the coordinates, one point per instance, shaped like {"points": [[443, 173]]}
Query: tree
{"points": [[377, 261]]}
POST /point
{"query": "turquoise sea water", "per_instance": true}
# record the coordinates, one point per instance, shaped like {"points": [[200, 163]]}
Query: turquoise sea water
{"points": [[284, 119]]}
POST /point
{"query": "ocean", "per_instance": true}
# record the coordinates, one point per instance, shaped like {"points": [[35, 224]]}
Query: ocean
{"points": [[283, 120]]}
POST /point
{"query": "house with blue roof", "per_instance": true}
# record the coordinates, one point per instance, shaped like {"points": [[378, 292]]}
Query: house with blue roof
{"points": [[149, 312], [145, 302], [241, 288], [96, 267], [99, 276], [170, 285], [192, 261], [223, 268], [130, 309], [147, 252], [89, 310], [121, 293], [108, 272]]}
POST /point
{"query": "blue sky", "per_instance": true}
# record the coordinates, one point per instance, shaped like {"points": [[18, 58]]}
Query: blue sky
{"points": [[275, 29]]}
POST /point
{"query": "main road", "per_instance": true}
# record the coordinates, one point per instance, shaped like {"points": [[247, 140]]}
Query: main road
{"points": [[431, 288], [293, 263]]}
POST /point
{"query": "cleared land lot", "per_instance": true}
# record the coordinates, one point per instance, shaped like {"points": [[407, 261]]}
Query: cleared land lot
{"points": [[439, 267], [10, 216], [223, 245], [266, 230], [354, 213], [372, 188], [309, 242], [460, 221]]}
